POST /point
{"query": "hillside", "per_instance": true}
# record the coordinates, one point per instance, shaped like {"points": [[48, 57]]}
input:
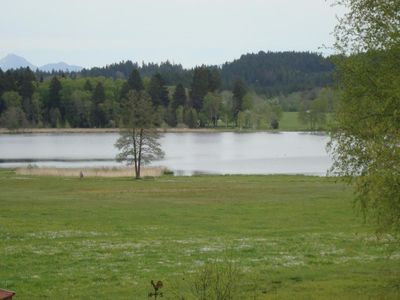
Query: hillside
{"points": [[12, 61], [270, 73]]}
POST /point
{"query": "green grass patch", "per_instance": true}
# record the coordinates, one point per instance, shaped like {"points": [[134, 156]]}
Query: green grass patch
{"points": [[291, 237], [290, 122]]}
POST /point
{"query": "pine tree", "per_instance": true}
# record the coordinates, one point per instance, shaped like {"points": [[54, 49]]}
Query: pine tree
{"points": [[54, 99], [88, 86], [135, 82], [199, 87], [179, 97], [214, 80], [158, 91], [239, 91], [98, 98], [25, 83]]}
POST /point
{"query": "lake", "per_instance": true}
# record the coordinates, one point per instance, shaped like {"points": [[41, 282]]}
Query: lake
{"points": [[185, 153]]}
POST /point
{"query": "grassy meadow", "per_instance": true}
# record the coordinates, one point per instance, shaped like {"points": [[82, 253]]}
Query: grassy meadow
{"points": [[288, 237], [290, 122]]}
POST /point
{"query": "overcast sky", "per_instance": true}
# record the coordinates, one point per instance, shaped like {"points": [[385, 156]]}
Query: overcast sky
{"points": [[191, 32]]}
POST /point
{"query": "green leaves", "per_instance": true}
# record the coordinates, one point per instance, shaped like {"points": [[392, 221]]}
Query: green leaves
{"points": [[366, 140]]}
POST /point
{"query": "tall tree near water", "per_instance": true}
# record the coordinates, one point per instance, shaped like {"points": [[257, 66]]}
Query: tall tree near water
{"points": [[212, 107], [134, 83], [199, 87], [158, 91], [98, 99], [239, 91], [54, 93], [214, 80], [53, 111], [25, 83], [138, 141], [179, 100], [179, 97], [365, 142]]}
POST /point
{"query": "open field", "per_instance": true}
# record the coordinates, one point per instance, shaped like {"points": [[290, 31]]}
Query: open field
{"points": [[290, 237], [290, 122]]}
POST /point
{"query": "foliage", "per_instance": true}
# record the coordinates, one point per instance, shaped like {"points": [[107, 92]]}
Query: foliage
{"points": [[13, 118], [239, 91], [11, 99], [214, 280], [98, 99], [200, 87], [272, 73], [368, 25], [158, 91], [179, 97], [365, 142], [211, 108], [54, 98], [59, 99], [138, 141]]}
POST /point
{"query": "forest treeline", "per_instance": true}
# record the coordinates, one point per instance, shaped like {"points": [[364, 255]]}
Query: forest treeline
{"points": [[269, 73], [250, 92]]}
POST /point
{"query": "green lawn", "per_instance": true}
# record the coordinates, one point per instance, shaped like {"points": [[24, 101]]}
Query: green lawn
{"points": [[290, 237], [290, 121]]}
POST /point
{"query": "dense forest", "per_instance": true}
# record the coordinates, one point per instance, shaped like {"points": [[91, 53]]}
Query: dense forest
{"points": [[274, 73], [269, 73], [250, 92]]}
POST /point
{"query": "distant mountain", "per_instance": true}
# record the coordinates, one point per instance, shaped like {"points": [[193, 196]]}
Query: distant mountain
{"points": [[12, 61], [61, 66]]}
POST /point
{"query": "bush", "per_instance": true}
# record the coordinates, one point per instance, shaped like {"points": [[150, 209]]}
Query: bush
{"points": [[217, 280], [274, 124]]}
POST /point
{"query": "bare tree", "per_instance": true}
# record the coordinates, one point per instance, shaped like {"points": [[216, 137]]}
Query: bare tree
{"points": [[138, 141]]}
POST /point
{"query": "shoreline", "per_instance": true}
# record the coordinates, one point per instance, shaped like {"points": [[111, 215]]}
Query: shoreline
{"points": [[166, 130]]}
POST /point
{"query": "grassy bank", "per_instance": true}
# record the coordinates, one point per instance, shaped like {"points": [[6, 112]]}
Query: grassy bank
{"points": [[91, 172], [290, 237]]}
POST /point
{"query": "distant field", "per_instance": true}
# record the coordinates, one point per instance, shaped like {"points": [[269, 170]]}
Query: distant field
{"points": [[291, 122], [290, 237]]}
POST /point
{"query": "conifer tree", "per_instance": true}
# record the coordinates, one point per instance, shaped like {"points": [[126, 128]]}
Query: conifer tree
{"points": [[134, 83], [158, 91], [199, 87], [239, 91], [98, 98], [179, 97]]}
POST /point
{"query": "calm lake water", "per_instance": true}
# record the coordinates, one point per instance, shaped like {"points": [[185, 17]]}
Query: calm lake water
{"points": [[185, 153]]}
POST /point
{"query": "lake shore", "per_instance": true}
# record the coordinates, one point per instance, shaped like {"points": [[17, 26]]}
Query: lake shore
{"points": [[90, 172], [99, 130], [116, 130]]}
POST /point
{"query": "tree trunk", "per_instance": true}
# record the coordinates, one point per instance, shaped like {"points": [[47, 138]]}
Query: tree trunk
{"points": [[140, 153], [135, 158]]}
